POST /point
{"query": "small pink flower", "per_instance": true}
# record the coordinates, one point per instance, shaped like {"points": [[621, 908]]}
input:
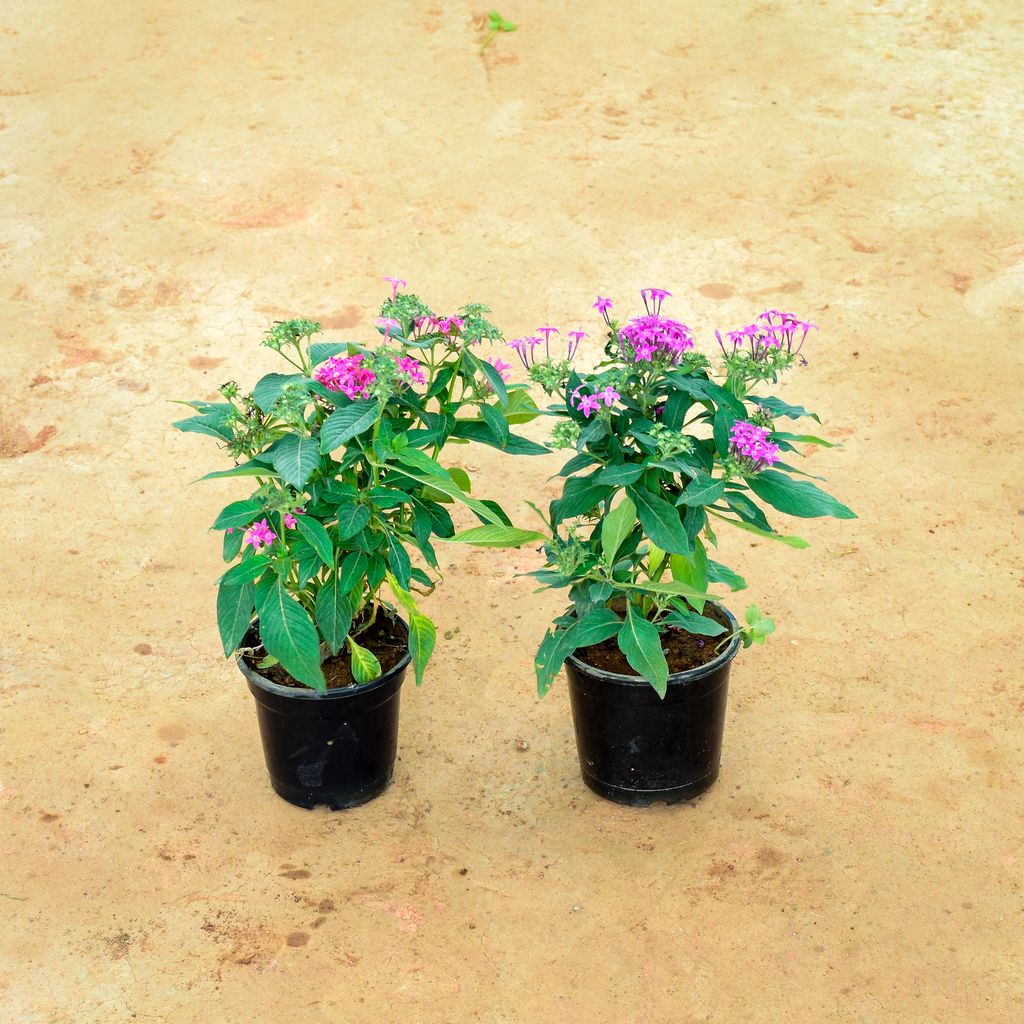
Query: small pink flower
{"points": [[389, 323], [656, 297], [289, 517], [231, 529], [347, 375], [395, 282], [412, 370], [575, 339], [259, 534]]}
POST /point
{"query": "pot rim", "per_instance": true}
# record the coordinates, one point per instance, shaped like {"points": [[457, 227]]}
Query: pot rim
{"points": [[338, 692], [687, 675]]}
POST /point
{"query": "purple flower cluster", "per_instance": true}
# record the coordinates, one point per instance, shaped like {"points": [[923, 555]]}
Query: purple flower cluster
{"points": [[446, 325], [650, 338], [588, 404], [527, 348], [773, 329], [750, 443]]}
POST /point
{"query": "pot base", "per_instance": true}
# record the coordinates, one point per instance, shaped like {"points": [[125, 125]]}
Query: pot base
{"points": [[342, 800], [647, 797]]}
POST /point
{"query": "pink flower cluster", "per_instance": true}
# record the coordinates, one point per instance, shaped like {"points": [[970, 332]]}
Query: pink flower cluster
{"points": [[588, 404], [773, 329], [289, 517], [411, 370], [750, 442], [446, 325], [347, 375], [259, 534], [653, 337]]}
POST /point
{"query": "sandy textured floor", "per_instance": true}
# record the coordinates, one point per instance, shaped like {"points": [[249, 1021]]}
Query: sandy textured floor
{"points": [[176, 175]]}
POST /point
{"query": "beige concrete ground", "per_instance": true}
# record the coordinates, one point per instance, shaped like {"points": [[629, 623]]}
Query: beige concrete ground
{"points": [[176, 175]]}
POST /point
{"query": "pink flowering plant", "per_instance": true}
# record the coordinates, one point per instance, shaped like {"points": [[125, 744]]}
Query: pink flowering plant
{"points": [[350, 493], [664, 455]]}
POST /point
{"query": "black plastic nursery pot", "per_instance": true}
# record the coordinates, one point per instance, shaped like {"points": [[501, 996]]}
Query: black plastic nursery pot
{"points": [[636, 748], [336, 748]]}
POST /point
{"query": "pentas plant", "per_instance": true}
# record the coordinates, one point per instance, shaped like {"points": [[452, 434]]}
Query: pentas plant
{"points": [[665, 455], [350, 494]]}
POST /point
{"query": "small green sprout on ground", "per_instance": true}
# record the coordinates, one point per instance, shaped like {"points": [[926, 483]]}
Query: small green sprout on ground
{"points": [[495, 24]]}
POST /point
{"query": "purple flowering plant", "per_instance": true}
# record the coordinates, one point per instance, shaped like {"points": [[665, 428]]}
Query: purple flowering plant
{"points": [[664, 455], [350, 493]]}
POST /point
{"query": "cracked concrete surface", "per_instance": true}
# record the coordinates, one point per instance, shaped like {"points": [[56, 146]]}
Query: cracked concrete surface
{"points": [[178, 175]]}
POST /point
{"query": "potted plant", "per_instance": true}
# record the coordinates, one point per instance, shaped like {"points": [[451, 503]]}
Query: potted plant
{"points": [[350, 497], [664, 456]]}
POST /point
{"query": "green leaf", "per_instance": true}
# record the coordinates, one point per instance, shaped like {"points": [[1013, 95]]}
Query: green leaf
{"points": [[313, 530], [422, 638], [320, 351], [494, 536], [617, 526], [692, 570], [238, 513], [296, 458], [621, 474], [343, 425], [579, 497], [365, 666], [702, 491], [211, 424], [333, 611], [521, 407], [674, 588], [777, 407], [421, 461], [723, 424], [233, 542], [699, 625], [796, 497], [351, 519], [245, 572], [477, 430], [288, 633], [790, 541], [496, 423], [752, 614], [596, 626], [493, 377], [554, 649], [781, 435], [234, 615], [351, 571], [707, 391], [270, 388], [640, 642], [246, 469], [661, 521], [398, 559], [451, 488], [718, 573]]}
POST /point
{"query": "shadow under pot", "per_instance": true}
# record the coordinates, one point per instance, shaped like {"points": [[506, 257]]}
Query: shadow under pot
{"points": [[635, 747], [336, 748]]}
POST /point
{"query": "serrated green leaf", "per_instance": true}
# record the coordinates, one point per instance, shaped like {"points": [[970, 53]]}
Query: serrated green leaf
{"points": [[344, 424], [640, 642], [270, 387], [351, 519], [235, 606], [296, 458], [333, 612]]}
